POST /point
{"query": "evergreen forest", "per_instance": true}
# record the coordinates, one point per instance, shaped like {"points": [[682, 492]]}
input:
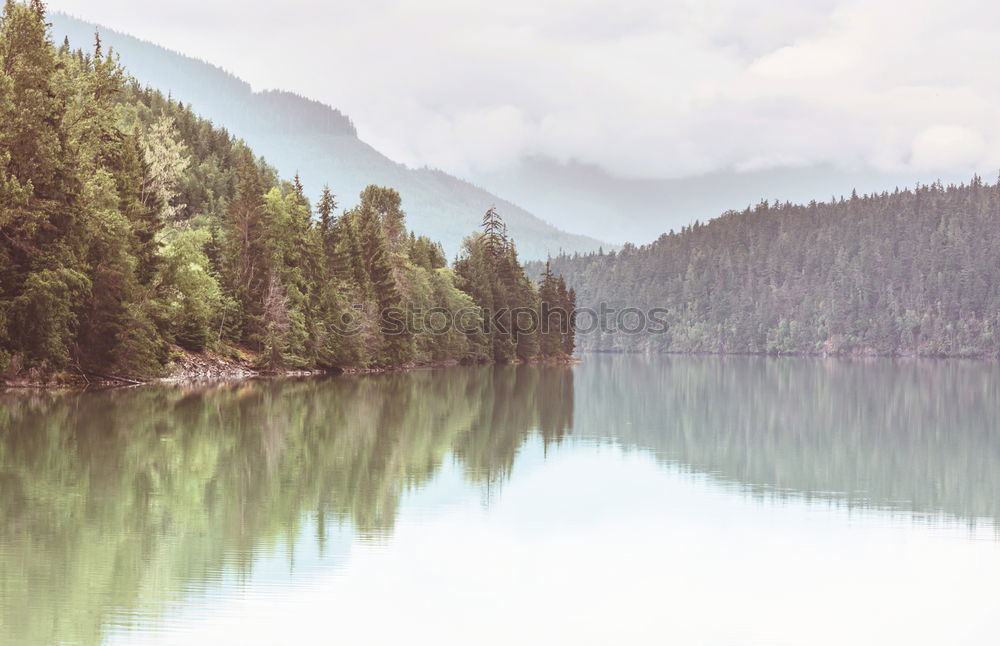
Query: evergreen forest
{"points": [[911, 272], [132, 230]]}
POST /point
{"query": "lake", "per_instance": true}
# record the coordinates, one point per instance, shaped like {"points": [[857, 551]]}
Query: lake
{"points": [[624, 500]]}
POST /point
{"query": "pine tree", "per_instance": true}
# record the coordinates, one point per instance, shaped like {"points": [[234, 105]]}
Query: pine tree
{"points": [[42, 281], [378, 269], [31, 133], [386, 204], [144, 211], [494, 235], [327, 221], [569, 338], [551, 314], [245, 254]]}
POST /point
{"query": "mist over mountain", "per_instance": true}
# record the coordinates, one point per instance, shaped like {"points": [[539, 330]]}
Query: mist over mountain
{"points": [[590, 200], [299, 135]]}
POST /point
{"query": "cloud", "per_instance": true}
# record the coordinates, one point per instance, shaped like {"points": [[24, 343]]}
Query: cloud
{"points": [[645, 89], [946, 146]]}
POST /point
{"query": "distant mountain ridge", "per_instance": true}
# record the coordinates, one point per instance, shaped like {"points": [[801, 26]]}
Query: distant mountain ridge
{"points": [[320, 143]]}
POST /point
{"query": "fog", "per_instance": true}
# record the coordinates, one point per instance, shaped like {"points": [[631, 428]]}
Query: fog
{"points": [[648, 90]]}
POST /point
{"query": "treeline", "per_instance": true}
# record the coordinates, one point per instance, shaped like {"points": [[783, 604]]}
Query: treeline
{"points": [[524, 322], [912, 272], [128, 224]]}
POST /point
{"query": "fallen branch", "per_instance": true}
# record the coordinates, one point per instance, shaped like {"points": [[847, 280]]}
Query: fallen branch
{"points": [[123, 380]]}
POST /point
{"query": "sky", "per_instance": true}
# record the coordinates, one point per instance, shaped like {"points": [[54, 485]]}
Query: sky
{"points": [[642, 89]]}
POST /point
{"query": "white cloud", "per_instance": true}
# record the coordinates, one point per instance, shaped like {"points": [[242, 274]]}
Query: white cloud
{"points": [[644, 89], [946, 146]]}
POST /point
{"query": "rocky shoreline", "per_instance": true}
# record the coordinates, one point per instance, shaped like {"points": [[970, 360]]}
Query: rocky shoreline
{"points": [[187, 367]]}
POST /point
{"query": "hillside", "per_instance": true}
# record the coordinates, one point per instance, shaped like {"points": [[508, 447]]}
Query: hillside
{"points": [[132, 230], [912, 272], [298, 135]]}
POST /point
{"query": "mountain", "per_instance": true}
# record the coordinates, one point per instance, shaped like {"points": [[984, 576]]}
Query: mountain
{"points": [[912, 272], [586, 198], [298, 135]]}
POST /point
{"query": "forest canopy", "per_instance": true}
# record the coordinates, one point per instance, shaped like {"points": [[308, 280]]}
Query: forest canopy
{"points": [[130, 229], [911, 272]]}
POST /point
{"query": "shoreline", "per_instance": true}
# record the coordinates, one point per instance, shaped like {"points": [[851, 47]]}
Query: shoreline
{"points": [[982, 356], [212, 367]]}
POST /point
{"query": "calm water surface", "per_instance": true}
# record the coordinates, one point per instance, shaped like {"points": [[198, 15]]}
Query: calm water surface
{"points": [[626, 500]]}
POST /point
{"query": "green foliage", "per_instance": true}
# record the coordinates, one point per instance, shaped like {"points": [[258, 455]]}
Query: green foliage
{"points": [[192, 297], [128, 223], [44, 315], [378, 226], [556, 333], [423, 252], [489, 271]]}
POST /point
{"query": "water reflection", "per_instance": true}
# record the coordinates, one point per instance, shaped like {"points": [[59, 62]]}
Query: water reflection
{"points": [[919, 436], [123, 498], [117, 504]]}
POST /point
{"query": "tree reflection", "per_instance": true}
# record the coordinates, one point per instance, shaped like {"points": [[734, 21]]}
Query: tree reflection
{"points": [[116, 499], [918, 436], [127, 499]]}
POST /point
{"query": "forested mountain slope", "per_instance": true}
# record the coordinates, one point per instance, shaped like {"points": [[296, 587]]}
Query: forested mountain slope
{"points": [[319, 143], [130, 228], [912, 272]]}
